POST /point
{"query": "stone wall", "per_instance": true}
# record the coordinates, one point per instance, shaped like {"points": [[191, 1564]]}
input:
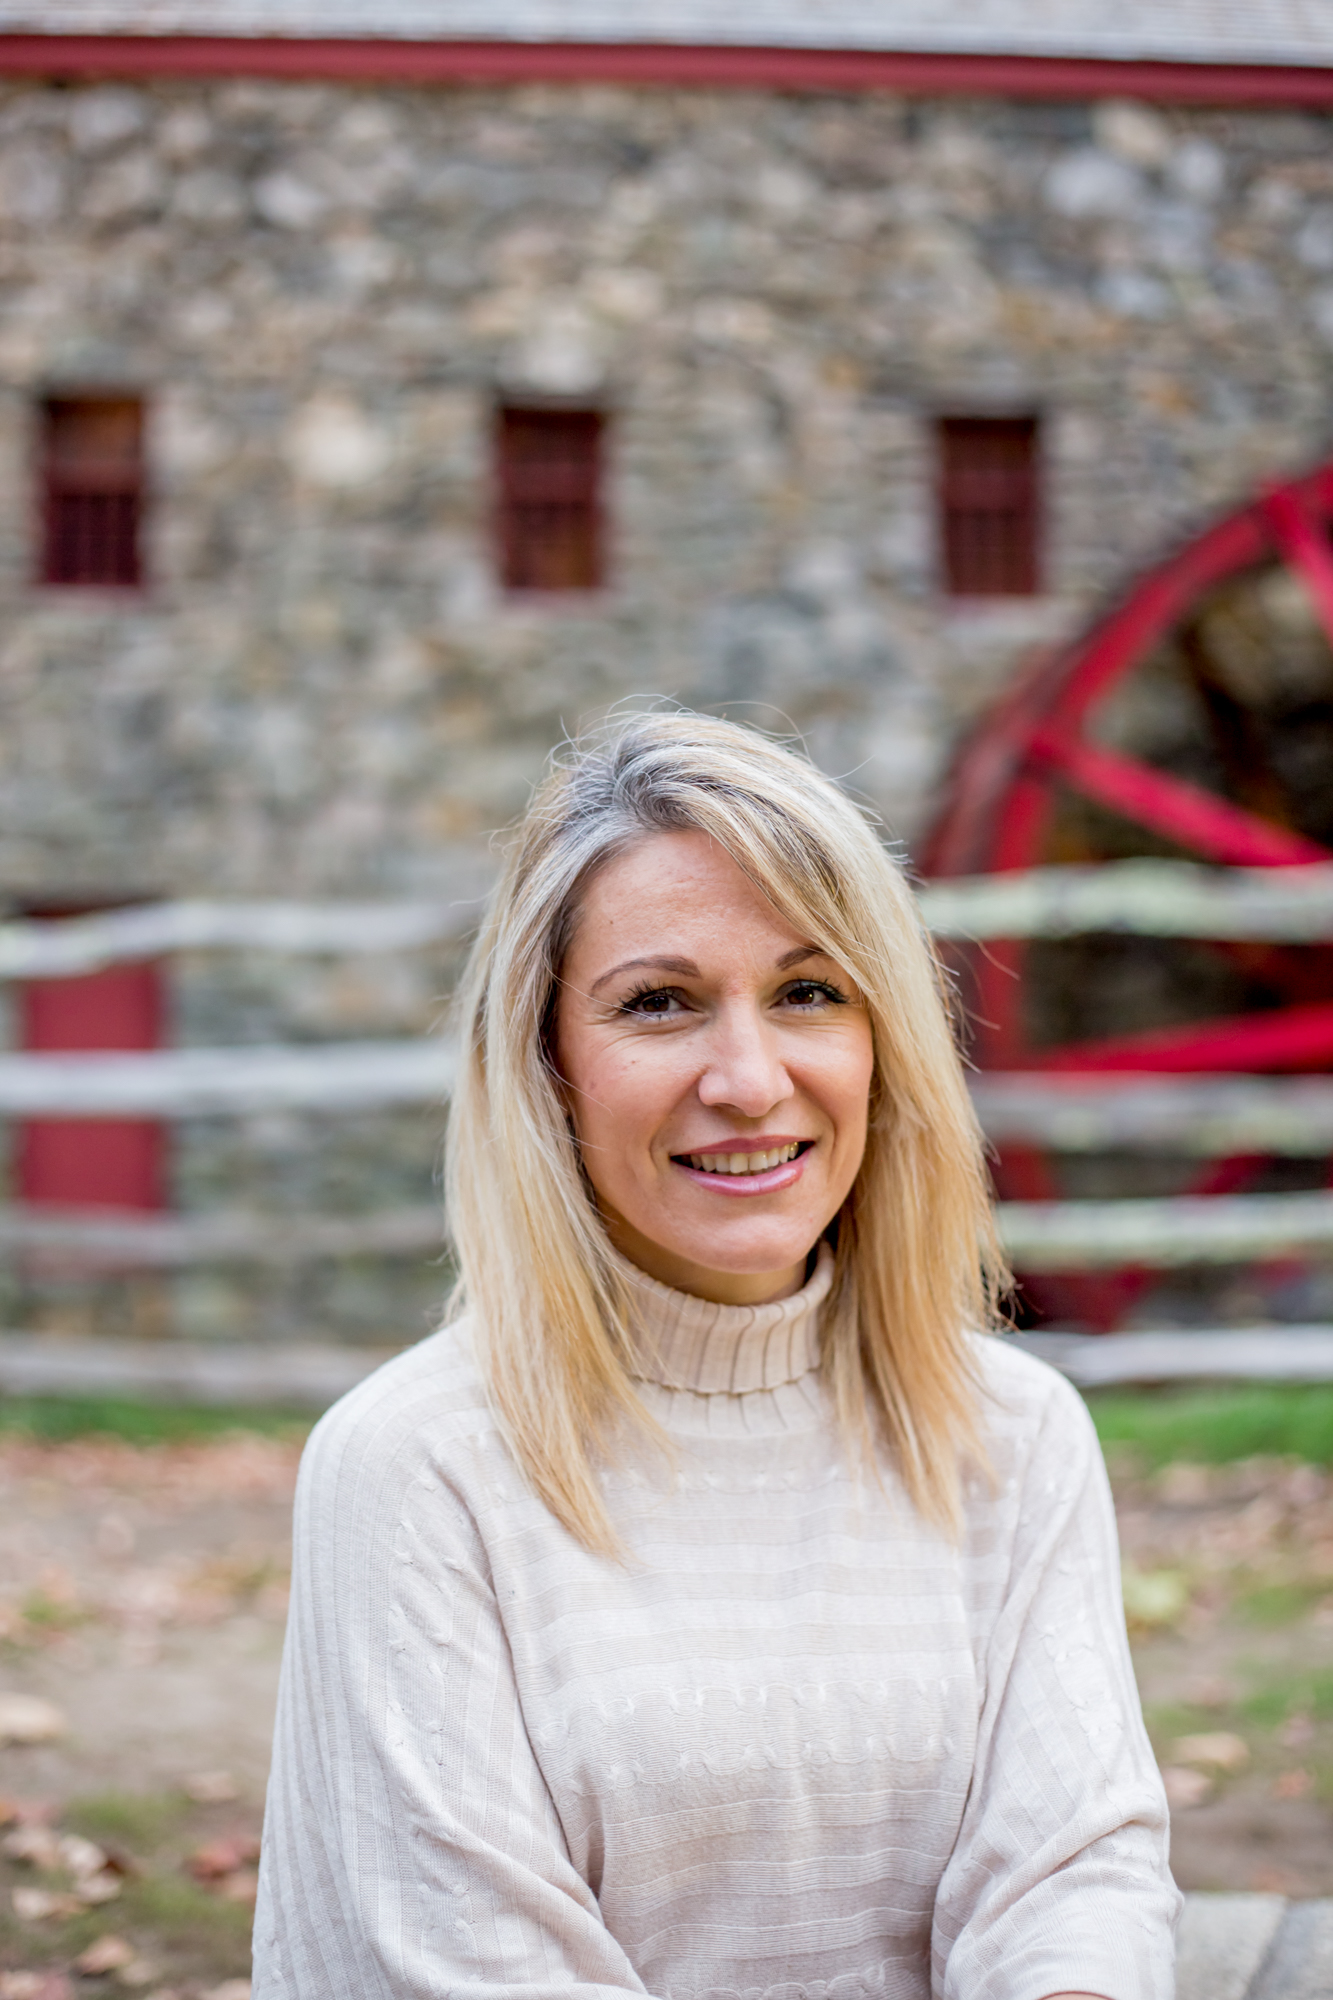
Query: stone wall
{"points": [[323, 292]]}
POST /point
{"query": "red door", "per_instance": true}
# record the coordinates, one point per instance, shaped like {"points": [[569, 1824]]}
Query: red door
{"points": [[92, 1162]]}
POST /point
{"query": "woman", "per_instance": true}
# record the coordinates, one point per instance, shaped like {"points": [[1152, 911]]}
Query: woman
{"points": [[705, 1610]]}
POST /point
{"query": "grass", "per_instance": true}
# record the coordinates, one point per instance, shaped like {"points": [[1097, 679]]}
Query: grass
{"points": [[185, 1931], [187, 1922], [1308, 1693], [1212, 1426], [59, 1418], [139, 1821], [1280, 1603]]}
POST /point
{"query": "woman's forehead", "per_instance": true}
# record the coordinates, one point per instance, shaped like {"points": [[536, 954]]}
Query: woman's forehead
{"points": [[676, 882]]}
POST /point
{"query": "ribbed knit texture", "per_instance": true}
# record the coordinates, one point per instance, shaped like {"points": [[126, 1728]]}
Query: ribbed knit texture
{"points": [[802, 1744]]}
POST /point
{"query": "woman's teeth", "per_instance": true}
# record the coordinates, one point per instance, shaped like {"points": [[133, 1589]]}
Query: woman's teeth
{"points": [[741, 1163]]}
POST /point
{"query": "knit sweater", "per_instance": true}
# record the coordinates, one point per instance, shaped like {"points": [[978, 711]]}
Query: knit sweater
{"points": [[801, 1746]]}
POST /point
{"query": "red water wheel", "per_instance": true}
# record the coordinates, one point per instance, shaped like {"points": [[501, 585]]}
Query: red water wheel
{"points": [[1193, 721]]}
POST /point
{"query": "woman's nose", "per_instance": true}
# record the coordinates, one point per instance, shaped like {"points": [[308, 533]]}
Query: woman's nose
{"points": [[744, 1068]]}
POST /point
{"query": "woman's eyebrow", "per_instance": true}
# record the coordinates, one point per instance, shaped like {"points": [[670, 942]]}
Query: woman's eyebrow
{"points": [[685, 966]]}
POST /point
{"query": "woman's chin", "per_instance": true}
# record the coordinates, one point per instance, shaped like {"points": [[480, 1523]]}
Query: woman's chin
{"points": [[734, 1253]]}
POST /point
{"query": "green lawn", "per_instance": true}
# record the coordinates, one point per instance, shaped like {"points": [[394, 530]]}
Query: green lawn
{"points": [[1209, 1425], [60, 1417], [1212, 1425]]}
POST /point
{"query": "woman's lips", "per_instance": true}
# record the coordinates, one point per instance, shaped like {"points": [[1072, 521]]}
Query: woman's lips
{"points": [[768, 1181]]}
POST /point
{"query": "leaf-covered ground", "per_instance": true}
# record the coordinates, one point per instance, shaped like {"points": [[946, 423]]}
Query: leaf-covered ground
{"points": [[143, 1574]]}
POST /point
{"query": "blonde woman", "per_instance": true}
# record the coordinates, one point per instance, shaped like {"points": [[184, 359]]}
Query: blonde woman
{"points": [[710, 1608]]}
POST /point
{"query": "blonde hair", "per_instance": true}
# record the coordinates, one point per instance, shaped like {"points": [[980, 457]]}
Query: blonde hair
{"points": [[916, 1258]]}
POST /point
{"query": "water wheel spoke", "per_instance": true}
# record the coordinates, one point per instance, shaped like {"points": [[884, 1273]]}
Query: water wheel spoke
{"points": [[1185, 813], [1287, 1038], [1306, 548]]}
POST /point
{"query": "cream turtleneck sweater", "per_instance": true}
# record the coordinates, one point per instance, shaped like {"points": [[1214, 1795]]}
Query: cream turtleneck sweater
{"points": [[802, 1747]]}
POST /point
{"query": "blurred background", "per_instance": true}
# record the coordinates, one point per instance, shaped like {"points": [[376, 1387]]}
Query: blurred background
{"points": [[388, 391]]}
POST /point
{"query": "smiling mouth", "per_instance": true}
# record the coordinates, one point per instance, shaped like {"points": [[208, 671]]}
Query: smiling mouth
{"points": [[743, 1163]]}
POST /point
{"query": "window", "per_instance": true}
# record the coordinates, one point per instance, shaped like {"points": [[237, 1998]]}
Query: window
{"points": [[92, 476], [989, 505], [550, 464], [91, 1162]]}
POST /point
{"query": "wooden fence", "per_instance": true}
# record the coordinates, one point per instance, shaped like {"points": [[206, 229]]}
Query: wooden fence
{"points": [[1195, 1116]]}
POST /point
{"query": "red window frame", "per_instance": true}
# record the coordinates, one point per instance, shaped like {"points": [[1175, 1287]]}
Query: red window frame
{"points": [[91, 1162], [92, 486], [550, 527], [990, 512]]}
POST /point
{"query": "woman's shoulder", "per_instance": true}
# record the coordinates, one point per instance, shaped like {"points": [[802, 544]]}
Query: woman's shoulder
{"points": [[426, 1409], [1028, 1407]]}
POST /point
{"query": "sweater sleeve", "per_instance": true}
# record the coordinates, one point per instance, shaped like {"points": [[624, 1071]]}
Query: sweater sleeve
{"points": [[1058, 1882], [411, 1846]]}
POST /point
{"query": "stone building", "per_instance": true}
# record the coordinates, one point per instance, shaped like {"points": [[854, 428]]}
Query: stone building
{"points": [[445, 372]]}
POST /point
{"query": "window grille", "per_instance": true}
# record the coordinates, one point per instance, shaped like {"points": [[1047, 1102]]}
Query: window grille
{"points": [[550, 528], [92, 463], [989, 506], [91, 1162]]}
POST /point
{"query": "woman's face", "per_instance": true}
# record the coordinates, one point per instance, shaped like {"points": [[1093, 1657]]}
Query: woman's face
{"points": [[717, 1068]]}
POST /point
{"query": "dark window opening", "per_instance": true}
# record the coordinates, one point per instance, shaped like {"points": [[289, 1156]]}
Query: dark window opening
{"points": [[91, 1162], [550, 475], [92, 478], [989, 506]]}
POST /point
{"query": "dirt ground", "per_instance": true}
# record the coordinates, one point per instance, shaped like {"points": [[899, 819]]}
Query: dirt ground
{"points": [[143, 1590]]}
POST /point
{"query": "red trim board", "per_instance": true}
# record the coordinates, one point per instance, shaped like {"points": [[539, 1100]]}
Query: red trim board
{"points": [[381, 59]]}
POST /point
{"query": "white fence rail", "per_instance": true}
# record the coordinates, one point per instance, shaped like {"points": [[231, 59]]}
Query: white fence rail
{"points": [[58, 950], [192, 1083], [1146, 898], [1201, 1117], [1184, 1229], [1149, 898], [99, 1240]]}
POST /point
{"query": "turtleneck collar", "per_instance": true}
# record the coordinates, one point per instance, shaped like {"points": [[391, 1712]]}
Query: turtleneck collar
{"points": [[682, 1342]]}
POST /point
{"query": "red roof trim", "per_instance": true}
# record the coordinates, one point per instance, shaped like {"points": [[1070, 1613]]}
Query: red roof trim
{"points": [[384, 60]]}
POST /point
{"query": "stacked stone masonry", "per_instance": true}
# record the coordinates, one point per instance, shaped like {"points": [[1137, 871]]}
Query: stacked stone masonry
{"points": [[324, 293]]}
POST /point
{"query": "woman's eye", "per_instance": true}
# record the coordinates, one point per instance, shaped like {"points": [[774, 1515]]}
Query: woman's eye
{"points": [[813, 993], [660, 1001]]}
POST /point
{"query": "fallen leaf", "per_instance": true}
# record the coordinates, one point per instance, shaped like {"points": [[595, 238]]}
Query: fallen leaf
{"points": [[26, 1718], [222, 1857], [103, 1887], [1210, 1691], [34, 1844], [34, 1986], [80, 1856], [106, 1954], [210, 1788], [36, 1905], [1293, 1785], [1185, 1789], [139, 1972], [1220, 1748]]}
